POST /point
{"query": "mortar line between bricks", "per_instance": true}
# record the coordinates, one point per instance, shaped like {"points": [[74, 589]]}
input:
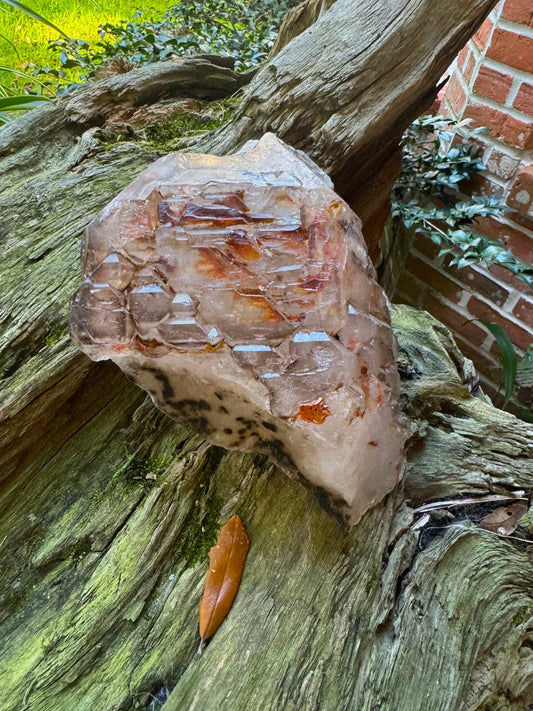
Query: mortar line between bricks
{"points": [[487, 150], [520, 228], [500, 182], [508, 316], [430, 263], [509, 150], [486, 273], [453, 305], [512, 300], [464, 287], [460, 339], [465, 297], [487, 343], [506, 69], [491, 383], [462, 309], [465, 85], [477, 100], [483, 271], [513, 91], [515, 28], [479, 55], [479, 58]]}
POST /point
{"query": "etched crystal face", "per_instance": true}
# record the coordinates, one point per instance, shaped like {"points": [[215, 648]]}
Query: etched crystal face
{"points": [[238, 292]]}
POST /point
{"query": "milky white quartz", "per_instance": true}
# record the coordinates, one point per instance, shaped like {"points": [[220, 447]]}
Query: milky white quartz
{"points": [[238, 292]]}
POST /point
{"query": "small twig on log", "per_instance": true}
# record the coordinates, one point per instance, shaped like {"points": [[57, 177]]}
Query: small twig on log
{"points": [[449, 503]]}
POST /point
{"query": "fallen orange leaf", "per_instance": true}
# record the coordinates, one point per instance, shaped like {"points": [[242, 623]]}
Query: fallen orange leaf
{"points": [[226, 563]]}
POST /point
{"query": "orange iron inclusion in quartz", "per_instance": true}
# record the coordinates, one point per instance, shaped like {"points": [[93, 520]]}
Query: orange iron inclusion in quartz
{"points": [[238, 292]]}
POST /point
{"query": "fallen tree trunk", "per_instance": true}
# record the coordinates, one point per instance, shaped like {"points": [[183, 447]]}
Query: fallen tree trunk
{"points": [[345, 89], [109, 509]]}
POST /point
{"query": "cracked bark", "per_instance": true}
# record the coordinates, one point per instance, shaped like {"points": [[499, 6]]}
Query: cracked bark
{"points": [[109, 509]]}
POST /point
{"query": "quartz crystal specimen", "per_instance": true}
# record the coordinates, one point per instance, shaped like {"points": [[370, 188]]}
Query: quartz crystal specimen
{"points": [[238, 292]]}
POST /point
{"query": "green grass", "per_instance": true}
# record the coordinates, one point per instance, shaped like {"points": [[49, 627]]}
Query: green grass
{"points": [[77, 18]]}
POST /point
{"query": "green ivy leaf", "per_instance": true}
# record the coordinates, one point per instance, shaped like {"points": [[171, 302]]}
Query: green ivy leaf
{"points": [[508, 357]]}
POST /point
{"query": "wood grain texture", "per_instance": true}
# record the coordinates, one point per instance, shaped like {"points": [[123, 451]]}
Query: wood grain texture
{"points": [[109, 510], [345, 89]]}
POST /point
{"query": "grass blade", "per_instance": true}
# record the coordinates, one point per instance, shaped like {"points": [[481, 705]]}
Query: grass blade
{"points": [[20, 103], [508, 356], [23, 75], [6, 39], [35, 15]]}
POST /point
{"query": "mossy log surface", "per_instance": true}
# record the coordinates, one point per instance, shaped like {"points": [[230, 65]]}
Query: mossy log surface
{"points": [[109, 510]]}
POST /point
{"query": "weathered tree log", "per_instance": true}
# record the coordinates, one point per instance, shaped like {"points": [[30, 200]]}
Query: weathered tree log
{"points": [[345, 89], [109, 510], [297, 20]]}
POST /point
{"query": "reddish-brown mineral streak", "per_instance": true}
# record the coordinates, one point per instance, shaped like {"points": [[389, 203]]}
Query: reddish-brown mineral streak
{"points": [[238, 292]]}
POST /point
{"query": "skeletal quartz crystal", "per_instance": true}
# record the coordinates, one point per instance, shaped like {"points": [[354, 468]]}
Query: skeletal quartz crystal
{"points": [[238, 292]]}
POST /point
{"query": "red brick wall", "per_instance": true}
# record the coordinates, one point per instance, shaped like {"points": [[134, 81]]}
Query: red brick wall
{"points": [[491, 82]]}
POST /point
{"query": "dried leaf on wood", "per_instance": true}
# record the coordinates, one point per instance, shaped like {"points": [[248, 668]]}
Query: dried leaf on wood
{"points": [[226, 563], [505, 519]]}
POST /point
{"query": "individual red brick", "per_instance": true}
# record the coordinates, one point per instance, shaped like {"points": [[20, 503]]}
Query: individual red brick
{"points": [[435, 279], [518, 242], [520, 197], [519, 336], [524, 98], [522, 220], [502, 126], [524, 311], [468, 69], [455, 321], [502, 165], [490, 227], [519, 11], [478, 283], [494, 229], [512, 49], [482, 35], [492, 84], [455, 95], [426, 246], [508, 277], [409, 287], [479, 185], [461, 57], [521, 245], [495, 351]]}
